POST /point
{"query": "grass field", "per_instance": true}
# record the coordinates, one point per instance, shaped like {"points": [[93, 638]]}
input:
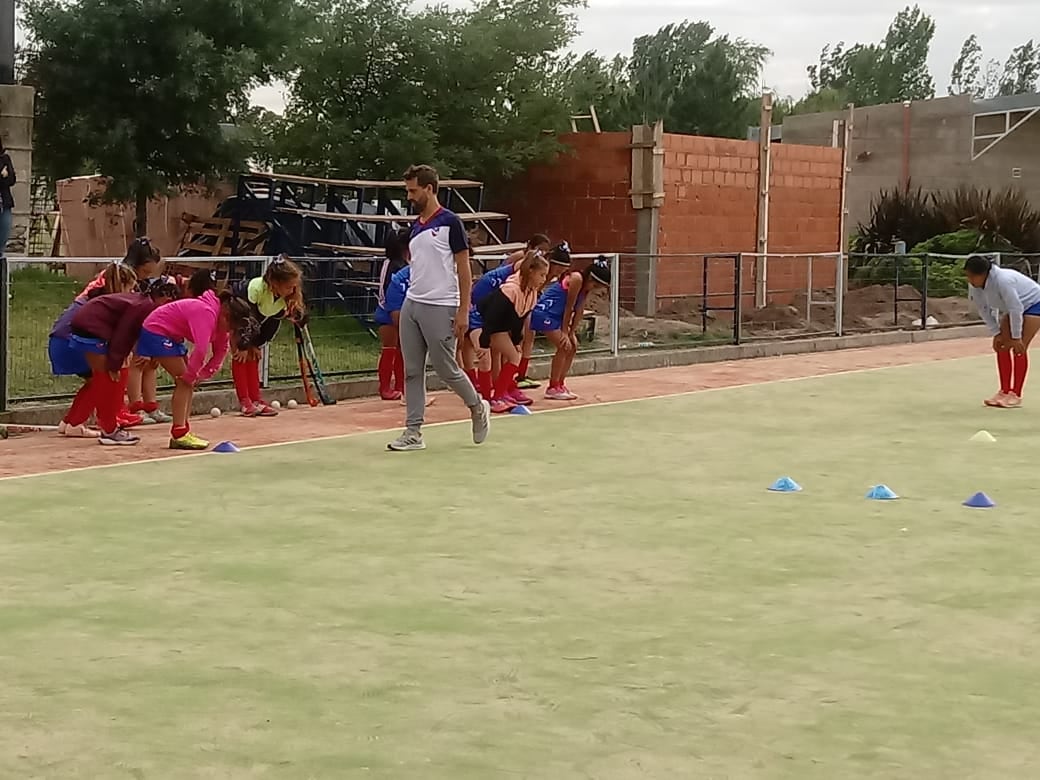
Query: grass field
{"points": [[548, 606]]}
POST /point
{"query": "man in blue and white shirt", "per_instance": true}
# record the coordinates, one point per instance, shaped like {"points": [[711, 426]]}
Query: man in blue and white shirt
{"points": [[436, 310], [1009, 304]]}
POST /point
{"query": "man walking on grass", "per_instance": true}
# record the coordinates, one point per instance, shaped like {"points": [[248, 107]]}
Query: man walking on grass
{"points": [[436, 309]]}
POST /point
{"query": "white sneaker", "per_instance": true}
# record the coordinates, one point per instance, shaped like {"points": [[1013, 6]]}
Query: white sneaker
{"points": [[481, 416]]}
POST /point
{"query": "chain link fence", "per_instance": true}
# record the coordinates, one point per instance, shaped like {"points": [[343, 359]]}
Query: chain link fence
{"points": [[656, 301]]}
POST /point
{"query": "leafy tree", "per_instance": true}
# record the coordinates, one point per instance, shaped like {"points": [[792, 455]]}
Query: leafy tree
{"points": [[1020, 73], [138, 91], [471, 91], [682, 74], [894, 70], [1022, 70]]}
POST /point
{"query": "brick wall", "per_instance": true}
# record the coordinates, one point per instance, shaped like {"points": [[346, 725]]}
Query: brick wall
{"points": [[710, 207], [582, 196]]}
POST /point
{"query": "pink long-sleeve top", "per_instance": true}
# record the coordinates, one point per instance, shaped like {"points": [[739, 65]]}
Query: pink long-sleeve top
{"points": [[195, 320]]}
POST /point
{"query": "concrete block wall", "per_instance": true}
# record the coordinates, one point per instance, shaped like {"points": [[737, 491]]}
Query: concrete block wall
{"points": [[939, 146]]}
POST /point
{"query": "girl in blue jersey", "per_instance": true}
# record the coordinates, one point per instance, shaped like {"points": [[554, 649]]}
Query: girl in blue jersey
{"points": [[475, 358], [390, 369], [504, 313], [559, 261], [558, 315]]}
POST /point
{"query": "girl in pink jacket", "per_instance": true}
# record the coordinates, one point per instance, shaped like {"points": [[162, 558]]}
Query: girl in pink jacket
{"points": [[207, 323]]}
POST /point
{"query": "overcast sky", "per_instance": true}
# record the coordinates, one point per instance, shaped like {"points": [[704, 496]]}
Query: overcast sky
{"points": [[796, 30]]}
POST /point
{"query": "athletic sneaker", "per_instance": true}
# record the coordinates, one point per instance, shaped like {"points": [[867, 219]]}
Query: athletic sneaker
{"points": [[409, 441], [119, 438], [391, 395], [249, 409], [517, 397], [127, 419], [571, 396], [77, 431], [1010, 401], [159, 416], [527, 384], [557, 394], [189, 441], [264, 409], [481, 416], [995, 400], [500, 405]]}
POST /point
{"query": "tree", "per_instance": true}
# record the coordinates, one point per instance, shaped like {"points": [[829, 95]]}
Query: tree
{"points": [[138, 91], [1022, 70], [471, 91], [894, 70], [1020, 73], [682, 74], [964, 78]]}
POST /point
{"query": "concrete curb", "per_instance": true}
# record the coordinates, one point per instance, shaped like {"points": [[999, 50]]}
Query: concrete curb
{"points": [[51, 413]]}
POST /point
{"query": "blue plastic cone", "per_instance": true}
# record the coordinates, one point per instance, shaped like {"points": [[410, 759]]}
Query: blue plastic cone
{"points": [[882, 493], [519, 410], [785, 485], [980, 501], [226, 447]]}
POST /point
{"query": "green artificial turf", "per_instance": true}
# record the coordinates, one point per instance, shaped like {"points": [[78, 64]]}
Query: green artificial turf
{"points": [[607, 592]]}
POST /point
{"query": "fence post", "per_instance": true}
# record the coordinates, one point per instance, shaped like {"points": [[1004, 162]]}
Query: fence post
{"points": [[926, 265], [839, 294], [738, 293], [5, 329], [615, 302], [265, 351]]}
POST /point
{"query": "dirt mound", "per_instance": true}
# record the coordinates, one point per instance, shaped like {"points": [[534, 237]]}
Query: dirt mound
{"points": [[875, 306]]}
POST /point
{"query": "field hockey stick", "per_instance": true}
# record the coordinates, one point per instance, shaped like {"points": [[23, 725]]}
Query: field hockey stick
{"points": [[7, 429], [312, 359], [311, 400]]}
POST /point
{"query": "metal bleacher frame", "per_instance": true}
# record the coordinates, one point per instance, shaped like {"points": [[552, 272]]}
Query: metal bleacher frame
{"points": [[340, 226]]}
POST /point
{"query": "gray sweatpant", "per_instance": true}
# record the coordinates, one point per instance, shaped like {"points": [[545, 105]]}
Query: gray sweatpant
{"points": [[428, 329]]}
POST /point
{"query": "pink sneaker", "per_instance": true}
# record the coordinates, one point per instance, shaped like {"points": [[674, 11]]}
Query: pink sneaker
{"points": [[519, 398], [557, 394], [1010, 401], [570, 396], [501, 406], [249, 409], [996, 400], [264, 409]]}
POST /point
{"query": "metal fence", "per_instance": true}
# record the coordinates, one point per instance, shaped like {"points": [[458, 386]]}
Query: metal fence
{"points": [[341, 295], [657, 301]]}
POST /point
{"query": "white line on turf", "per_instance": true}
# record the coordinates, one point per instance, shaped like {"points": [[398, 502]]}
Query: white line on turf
{"points": [[593, 405]]}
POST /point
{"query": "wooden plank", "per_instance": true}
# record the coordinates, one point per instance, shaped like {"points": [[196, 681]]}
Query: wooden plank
{"points": [[369, 251], [479, 216], [456, 184]]}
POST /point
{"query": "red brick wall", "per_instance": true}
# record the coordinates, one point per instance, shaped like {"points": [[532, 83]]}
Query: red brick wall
{"points": [[581, 197], [710, 207]]}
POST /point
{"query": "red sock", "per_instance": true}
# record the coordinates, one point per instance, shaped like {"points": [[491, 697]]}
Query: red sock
{"points": [[398, 369], [150, 406], [179, 430], [1021, 366], [506, 380], [82, 405], [385, 370], [485, 384], [525, 363], [1004, 369], [136, 407], [108, 399], [472, 374], [241, 380], [253, 375]]}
